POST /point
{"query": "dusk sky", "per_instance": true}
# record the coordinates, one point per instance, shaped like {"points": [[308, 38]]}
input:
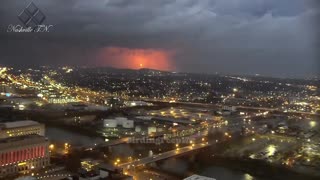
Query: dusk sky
{"points": [[268, 37]]}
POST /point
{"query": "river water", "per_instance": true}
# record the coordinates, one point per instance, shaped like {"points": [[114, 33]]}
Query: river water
{"points": [[56, 134], [173, 165]]}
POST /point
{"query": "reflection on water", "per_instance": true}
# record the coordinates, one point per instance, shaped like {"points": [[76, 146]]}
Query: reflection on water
{"points": [[174, 165], [60, 135], [122, 150]]}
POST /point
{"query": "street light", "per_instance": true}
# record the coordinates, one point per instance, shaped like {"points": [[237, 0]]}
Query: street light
{"points": [[51, 146]]}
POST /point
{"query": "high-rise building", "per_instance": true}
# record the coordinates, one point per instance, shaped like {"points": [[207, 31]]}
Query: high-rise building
{"points": [[21, 128], [23, 153]]}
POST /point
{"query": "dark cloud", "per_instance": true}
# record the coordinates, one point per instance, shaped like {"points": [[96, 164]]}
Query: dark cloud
{"points": [[270, 37]]}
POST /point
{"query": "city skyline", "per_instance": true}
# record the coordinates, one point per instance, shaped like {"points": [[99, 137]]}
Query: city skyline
{"points": [[159, 89], [270, 38]]}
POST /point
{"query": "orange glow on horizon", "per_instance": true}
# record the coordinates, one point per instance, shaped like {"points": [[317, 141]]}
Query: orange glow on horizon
{"points": [[135, 58]]}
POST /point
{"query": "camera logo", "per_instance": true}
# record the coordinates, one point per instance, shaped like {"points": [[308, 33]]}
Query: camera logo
{"points": [[32, 18]]}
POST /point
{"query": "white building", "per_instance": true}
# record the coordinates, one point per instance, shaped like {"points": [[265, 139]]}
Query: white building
{"points": [[110, 123], [229, 108], [152, 129], [119, 121], [136, 103], [21, 128]]}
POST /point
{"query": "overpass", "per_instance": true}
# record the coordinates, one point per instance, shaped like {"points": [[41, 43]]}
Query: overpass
{"points": [[165, 155]]}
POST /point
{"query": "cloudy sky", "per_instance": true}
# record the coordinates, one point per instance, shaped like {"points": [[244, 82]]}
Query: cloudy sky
{"points": [[268, 37]]}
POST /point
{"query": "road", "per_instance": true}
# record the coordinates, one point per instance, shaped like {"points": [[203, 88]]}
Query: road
{"points": [[166, 155], [238, 107]]}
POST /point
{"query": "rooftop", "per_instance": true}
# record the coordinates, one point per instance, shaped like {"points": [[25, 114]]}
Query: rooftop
{"points": [[20, 124], [21, 138]]}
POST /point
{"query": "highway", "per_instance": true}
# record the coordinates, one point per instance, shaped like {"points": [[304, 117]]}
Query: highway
{"points": [[238, 107]]}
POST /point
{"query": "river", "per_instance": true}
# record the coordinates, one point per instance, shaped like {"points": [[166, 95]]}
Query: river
{"points": [[173, 165], [56, 134]]}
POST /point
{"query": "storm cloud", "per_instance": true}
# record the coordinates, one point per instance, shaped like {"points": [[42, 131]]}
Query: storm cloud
{"points": [[269, 37]]}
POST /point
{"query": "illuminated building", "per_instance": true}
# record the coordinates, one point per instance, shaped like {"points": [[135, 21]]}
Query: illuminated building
{"points": [[89, 164], [124, 122], [136, 103], [61, 100], [152, 130], [21, 128], [229, 108], [22, 154], [113, 102]]}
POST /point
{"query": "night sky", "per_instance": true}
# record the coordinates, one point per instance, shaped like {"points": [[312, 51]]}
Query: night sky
{"points": [[268, 37]]}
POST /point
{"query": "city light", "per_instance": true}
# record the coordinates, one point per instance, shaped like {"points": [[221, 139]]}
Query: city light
{"points": [[271, 149], [128, 120], [51, 146], [313, 124]]}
